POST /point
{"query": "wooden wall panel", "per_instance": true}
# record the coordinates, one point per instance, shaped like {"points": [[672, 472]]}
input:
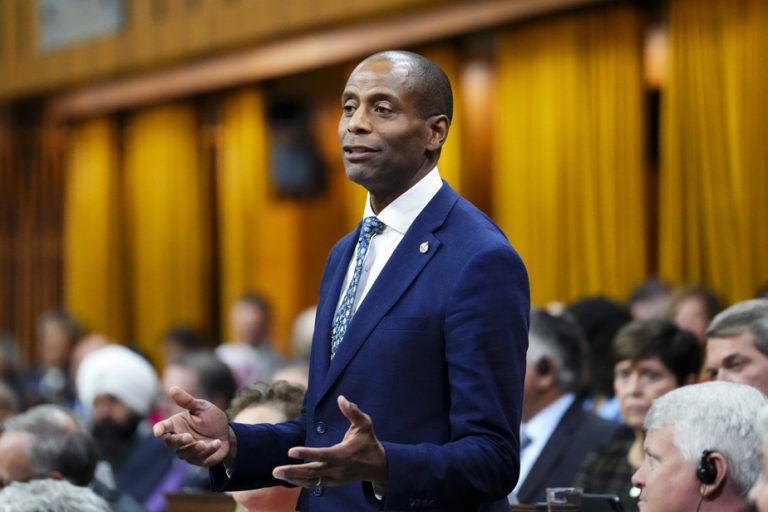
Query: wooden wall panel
{"points": [[160, 33], [31, 193]]}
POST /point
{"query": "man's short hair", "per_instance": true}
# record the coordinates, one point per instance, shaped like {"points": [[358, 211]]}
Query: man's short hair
{"points": [[717, 416], [61, 443], [214, 378], [284, 396], [63, 318], [561, 339], [257, 301], [712, 303], [429, 82], [50, 496], [749, 315], [677, 348]]}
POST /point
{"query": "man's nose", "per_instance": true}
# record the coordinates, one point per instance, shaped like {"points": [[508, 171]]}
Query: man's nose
{"points": [[359, 122]]}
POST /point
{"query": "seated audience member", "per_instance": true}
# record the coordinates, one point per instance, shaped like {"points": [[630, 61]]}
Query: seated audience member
{"points": [[600, 319], [301, 334], [47, 381], [250, 356], [737, 344], [297, 369], [557, 433], [48, 441], [296, 373], [9, 402], [267, 403], [50, 496], [693, 307], [203, 375], [10, 363], [651, 358], [758, 496], [118, 388], [180, 340], [702, 451], [649, 299]]}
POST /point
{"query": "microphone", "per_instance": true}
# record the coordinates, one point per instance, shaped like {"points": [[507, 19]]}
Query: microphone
{"points": [[635, 492]]}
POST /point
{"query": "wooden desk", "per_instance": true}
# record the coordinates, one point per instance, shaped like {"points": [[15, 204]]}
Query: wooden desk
{"points": [[197, 501]]}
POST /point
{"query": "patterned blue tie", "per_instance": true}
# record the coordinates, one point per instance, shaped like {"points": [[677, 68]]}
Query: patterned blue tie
{"points": [[371, 227]]}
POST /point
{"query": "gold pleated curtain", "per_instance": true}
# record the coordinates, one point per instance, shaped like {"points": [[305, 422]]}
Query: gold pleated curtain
{"points": [[714, 174], [169, 214], [261, 242], [569, 185], [94, 264]]}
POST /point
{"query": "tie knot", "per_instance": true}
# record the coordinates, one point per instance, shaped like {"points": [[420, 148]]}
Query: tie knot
{"points": [[371, 226]]}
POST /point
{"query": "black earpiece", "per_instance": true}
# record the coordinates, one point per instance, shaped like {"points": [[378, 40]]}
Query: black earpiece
{"points": [[543, 367], [706, 471]]}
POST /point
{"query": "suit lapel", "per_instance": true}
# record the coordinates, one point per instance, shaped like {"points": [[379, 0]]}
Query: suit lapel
{"points": [[552, 453], [405, 264]]}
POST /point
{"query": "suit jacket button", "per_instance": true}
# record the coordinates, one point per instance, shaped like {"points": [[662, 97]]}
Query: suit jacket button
{"points": [[321, 427], [317, 491]]}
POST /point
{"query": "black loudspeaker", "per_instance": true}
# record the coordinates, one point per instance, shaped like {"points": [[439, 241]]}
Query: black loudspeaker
{"points": [[706, 471], [543, 367]]}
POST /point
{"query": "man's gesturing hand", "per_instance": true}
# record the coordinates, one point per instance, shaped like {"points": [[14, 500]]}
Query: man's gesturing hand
{"points": [[200, 434], [358, 457]]}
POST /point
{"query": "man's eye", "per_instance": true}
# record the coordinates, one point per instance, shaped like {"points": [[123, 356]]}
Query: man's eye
{"points": [[381, 109], [348, 109]]}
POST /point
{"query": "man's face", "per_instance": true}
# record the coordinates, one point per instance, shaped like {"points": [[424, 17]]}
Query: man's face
{"points": [[249, 323], [692, 315], [759, 493], [736, 359], [667, 481], [14, 458], [638, 384], [383, 137], [176, 375]]}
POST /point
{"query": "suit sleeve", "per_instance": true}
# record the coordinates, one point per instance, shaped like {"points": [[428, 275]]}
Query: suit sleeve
{"points": [[486, 337], [260, 449]]}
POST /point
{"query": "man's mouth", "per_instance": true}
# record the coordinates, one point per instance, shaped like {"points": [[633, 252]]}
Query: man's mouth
{"points": [[358, 153]]}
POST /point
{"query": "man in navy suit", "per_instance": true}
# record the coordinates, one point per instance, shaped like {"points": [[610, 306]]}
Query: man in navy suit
{"points": [[422, 323]]}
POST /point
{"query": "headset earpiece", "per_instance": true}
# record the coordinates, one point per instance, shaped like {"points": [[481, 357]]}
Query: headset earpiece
{"points": [[706, 471], [543, 367]]}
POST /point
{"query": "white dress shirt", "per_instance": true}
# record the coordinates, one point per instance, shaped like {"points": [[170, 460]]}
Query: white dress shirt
{"points": [[539, 429], [398, 217]]}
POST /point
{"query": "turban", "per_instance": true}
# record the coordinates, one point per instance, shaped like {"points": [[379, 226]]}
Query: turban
{"points": [[120, 372]]}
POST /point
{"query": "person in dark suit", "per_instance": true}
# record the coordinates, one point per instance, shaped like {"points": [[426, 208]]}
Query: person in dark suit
{"points": [[557, 432], [421, 323]]}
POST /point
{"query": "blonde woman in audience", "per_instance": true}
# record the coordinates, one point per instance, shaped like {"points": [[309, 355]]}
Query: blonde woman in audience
{"points": [[267, 403], [651, 358]]}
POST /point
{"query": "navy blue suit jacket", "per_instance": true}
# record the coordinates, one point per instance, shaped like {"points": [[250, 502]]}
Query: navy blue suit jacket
{"points": [[435, 354]]}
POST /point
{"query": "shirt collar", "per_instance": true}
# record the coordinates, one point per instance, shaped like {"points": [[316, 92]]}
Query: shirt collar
{"points": [[545, 421], [400, 213]]}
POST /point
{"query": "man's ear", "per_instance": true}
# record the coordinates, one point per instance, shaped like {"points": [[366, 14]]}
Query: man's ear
{"points": [[713, 490], [438, 126], [546, 373]]}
